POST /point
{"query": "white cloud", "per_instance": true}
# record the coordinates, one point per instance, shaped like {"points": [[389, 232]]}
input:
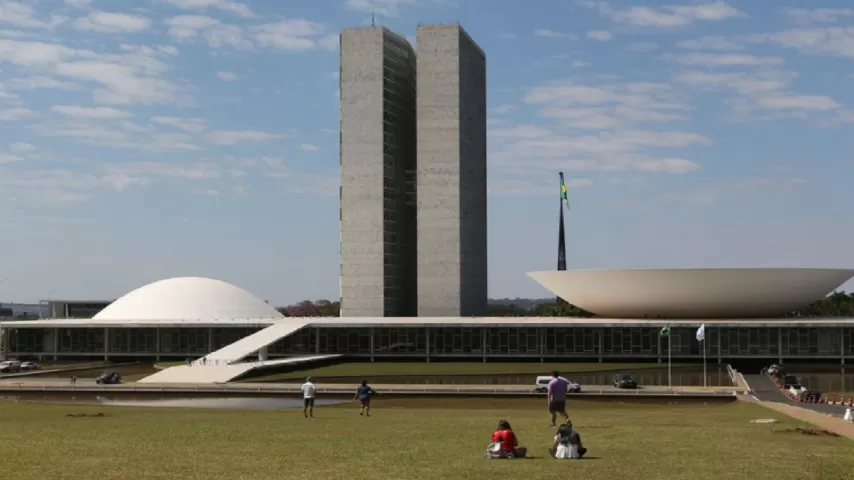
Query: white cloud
{"points": [[539, 186], [502, 109], [227, 76], [721, 59], [107, 22], [611, 109], [193, 125], [239, 136], [666, 16], [22, 147], [23, 15], [90, 113], [36, 82], [710, 43], [5, 158], [799, 102], [133, 76], [78, 3], [823, 41], [543, 32], [579, 64], [211, 30], [742, 83], [296, 34], [386, 8], [237, 8], [11, 114], [307, 147], [818, 15], [600, 35]]}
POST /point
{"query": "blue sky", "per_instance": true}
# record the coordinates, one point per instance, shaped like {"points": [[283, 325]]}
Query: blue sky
{"points": [[150, 139]]}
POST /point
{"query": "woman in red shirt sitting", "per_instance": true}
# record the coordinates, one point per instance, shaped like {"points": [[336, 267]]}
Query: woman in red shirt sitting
{"points": [[507, 439]]}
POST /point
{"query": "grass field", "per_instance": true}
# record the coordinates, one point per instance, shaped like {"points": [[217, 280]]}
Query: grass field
{"points": [[410, 439], [368, 369]]}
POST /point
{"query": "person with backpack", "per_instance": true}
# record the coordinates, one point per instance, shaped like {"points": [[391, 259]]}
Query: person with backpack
{"points": [[567, 443], [364, 393]]}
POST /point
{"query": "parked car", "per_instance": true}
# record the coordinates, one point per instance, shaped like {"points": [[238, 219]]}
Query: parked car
{"points": [[542, 385], [10, 366], [811, 396], [624, 380], [29, 366], [774, 370], [791, 381], [108, 378]]}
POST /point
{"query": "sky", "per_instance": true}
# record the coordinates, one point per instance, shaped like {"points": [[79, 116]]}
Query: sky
{"points": [[158, 138]]}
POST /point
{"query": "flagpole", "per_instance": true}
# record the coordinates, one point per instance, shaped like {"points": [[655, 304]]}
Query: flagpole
{"points": [[704, 359]]}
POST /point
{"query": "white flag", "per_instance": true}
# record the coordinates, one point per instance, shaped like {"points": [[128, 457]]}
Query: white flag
{"points": [[701, 333]]}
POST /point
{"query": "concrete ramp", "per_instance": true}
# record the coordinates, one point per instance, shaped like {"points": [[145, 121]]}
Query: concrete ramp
{"points": [[252, 343], [222, 373]]}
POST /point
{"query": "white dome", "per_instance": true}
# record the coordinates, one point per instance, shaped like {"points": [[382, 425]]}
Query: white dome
{"points": [[693, 292], [187, 298]]}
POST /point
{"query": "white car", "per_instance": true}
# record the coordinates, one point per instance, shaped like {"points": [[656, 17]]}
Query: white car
{"points": [[10, 366], [29, 366], [542, 385]]}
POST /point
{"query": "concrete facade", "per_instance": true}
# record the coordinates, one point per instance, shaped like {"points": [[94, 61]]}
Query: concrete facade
{"points": [[377, 148], [451, 173]]}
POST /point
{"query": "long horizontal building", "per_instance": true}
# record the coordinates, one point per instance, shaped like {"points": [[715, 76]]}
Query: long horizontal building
{"points": [[199, 317]]}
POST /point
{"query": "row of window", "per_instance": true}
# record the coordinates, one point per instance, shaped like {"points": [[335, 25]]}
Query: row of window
{"points": [[450, 340]]}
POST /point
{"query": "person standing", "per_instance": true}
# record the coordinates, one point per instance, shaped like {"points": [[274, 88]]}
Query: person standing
{"points": [[364, 392], [308, 393], [557, 397]]}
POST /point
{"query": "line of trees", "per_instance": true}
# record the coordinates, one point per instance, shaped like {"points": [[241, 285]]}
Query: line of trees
{"points": [[838, 304]]}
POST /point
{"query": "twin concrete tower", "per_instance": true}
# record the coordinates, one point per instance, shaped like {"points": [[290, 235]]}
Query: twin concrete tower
{"points": [[413, 174]]}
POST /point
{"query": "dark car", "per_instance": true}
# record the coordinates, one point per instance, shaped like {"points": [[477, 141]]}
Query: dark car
{"points": [[108, 378], [810, 396], [624, 380], [790, 381]]}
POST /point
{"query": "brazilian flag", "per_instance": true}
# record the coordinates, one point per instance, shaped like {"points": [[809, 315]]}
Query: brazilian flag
{"points": [[563, 194]]}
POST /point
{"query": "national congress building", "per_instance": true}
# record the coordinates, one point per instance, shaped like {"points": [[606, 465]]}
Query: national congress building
{"points": [[413, 174]]}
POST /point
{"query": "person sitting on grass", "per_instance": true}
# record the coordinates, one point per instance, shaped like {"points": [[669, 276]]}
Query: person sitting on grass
{"points": [[504, 443], [364, 393], [567, 443]]}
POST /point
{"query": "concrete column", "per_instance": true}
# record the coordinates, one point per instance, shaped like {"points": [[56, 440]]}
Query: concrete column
{"points": [[56, 344], [371, 346], [427, 332], [779, 345], [718, 333], [3, 344], [106, 344], [541, 340], [317, 341], [262, 354], [601, 334], [842, 345], [210, 340], [660, 359], [157, 343], [483, 343]]}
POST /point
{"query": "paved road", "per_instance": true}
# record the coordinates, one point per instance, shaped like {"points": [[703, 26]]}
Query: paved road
{"points": [[766, 390]]}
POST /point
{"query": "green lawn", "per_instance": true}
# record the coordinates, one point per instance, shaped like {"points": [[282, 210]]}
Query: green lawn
{"points": [[450, 368], [437, 439]]}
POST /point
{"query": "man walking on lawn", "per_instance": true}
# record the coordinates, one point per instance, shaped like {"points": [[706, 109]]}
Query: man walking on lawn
{"points": [[557, 397]]}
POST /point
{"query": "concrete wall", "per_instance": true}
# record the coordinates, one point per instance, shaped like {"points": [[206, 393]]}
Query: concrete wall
{"points": [[451, 173], [377, 134]]}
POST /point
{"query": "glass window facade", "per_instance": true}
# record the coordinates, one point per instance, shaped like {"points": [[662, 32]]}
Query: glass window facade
{"points": [[448, 341]]}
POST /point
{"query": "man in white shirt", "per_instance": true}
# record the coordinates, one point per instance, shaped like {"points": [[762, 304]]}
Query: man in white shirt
{"points": [[308, 393]]}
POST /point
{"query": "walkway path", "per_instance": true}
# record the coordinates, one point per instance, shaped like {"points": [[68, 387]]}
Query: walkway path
{"points": [[765, 390]]}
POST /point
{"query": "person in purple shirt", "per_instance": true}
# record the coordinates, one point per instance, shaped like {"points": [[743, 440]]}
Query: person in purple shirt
{"points": [[557, 397]]}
